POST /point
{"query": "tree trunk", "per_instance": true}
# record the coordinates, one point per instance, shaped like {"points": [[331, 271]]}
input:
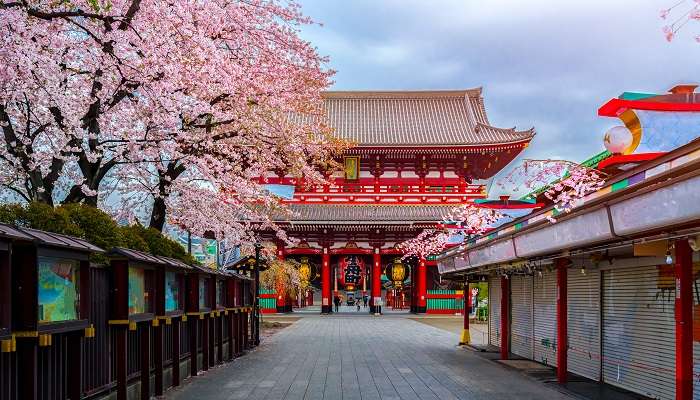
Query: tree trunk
{"points": [[158, 214]]}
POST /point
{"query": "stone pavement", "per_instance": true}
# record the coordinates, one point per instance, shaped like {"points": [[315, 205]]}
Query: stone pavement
{"points": [[362, 357]]}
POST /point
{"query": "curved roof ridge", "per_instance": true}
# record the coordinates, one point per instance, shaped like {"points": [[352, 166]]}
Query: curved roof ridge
{"points": [[405, 94]]}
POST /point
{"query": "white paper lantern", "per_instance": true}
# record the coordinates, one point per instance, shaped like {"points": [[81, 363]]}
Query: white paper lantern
{"points": [[617, 139]]}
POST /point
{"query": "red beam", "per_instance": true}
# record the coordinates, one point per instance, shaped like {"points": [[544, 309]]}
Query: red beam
{"points": [[562, 319], [505, 317], [629, 158], [301, 251], [684, 320], [615, 107], [346, 251]]}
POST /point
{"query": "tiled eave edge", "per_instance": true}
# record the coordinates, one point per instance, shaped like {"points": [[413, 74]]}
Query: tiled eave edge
{"points": [[659, 169]]}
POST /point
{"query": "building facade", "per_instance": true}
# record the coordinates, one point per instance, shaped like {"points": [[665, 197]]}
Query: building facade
{"points": [[416, 154]]}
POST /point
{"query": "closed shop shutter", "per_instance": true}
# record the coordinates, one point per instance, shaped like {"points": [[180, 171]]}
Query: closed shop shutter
{"points": [[696, 331], [545, 316], [495, 311], [583, 304], [521, 305], [639, 330]]}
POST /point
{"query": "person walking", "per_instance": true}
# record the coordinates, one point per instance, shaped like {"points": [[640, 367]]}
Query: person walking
{"points": [[336, 302], [358, 304], [365, 298]]}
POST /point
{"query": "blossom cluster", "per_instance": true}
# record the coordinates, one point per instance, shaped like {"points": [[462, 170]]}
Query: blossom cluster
{"points": [[173, 109], [678, 15], [464, 220]]}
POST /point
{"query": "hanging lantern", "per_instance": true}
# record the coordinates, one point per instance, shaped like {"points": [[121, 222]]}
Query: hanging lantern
{"points": [[352, 270], [307, 271], [396, 272]]}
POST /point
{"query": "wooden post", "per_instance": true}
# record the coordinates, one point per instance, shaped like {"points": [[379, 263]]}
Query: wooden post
{"points": [[231, 335], [158, 357], [562, 320], [236, 333], [246, 344], [145, 336], [27, 354], [219, 338], [176, 352], [75, 365], [193, 321], [120, 333], [205, 343], [684, 320], [505, 317]]}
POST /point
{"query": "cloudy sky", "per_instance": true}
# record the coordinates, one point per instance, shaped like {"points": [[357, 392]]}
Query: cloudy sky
{"points": [[547, 64]]}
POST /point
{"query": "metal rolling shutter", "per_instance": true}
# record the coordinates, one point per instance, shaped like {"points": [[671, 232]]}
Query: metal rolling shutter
{"points": [[521, 320], [495, 311], [696, 325], [583, 302], [545, 317], [639, 330]]}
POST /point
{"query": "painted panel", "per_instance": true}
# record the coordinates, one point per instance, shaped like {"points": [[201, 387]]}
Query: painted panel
{"points": [[172, 291], [58, 288], [137, 291]]}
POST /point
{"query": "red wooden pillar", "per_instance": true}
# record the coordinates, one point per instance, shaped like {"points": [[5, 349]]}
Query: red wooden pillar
{"points": [[466, 337], [376, 282], [326, 305], [421, 285], [562, 320], [505, 317], [176, 352], [684, 320]]}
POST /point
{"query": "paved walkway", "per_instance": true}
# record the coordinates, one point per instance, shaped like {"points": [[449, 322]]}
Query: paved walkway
{"points": [[362, 357]]}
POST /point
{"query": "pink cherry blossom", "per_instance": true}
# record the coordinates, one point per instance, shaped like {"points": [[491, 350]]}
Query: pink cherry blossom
{"points": [[172, 109]]}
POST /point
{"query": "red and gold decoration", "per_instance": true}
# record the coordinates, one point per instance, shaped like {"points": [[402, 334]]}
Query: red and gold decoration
{"points": [[307, 272], [396, 272], [352, 271]]}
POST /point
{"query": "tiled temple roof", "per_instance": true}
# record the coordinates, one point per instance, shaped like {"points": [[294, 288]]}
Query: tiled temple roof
{"points": [[424, 118], [366, 214]]}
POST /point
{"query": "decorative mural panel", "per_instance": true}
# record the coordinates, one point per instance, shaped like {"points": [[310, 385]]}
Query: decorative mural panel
{"points": [[58, 289], [172, 291], [137, 291]]}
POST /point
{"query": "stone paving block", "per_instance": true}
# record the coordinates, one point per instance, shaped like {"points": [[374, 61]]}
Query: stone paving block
{"points": [[361, 357]]}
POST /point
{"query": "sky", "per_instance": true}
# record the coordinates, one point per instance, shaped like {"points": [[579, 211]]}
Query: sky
{"points": [[542, 64]]}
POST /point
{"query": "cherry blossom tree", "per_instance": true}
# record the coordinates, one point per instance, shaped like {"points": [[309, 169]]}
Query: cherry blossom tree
{"points": [[467, 219], [185, 101], [564, 183], [678, 15]]}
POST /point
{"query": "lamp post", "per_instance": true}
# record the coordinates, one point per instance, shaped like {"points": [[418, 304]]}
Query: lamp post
{"points": [[256, 303]]}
